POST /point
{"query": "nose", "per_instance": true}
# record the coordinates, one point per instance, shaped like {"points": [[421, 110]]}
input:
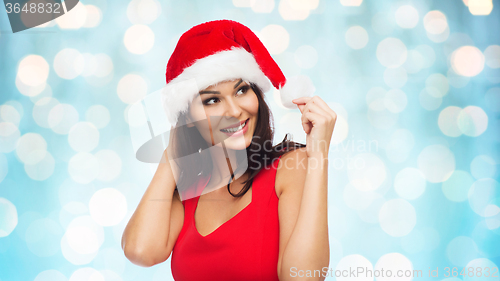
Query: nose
{"points": [[233, 108]]}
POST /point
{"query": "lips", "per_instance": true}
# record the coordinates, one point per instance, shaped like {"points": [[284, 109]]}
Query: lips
{"points": [[236, 125], [236, 130]]}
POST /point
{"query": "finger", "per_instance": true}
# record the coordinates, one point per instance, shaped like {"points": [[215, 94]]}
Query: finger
{"points": [[306, 125], [301, 107], [301, 100], [311, 119], [320, 102], [314, 118], [315, 108]]}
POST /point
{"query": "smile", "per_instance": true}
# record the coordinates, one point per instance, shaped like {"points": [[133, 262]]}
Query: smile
{"points": [[242, 128]]}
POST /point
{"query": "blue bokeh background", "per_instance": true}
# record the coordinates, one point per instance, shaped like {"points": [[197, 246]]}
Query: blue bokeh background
{"points": [[413, 176]]}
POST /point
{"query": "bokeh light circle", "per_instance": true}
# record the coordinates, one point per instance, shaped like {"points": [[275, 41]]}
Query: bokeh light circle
{"points": [[8, 113], [108, 207], [356, 37], [74, 18], [391, 52], [139, 39], [83, 167], [289, 12], [375, 98], [51, 275], [275, 38], [467, 61], [110, 163], [8, 217], [31, 148], [396, 263], [353, 261], [98, 115], [366, 171], [436, 162], [104, 65], [406, 16], [33, 70], [461, 250], [42, 169], [83, 137], [456, 188], [132, 88], [4, 167], [94, 16], [43, 237], [410, 183], [472, 121], [482, 195], [62, 117], [87, 274], [482, 263], [439, 82], [82, 240], [435, 22], [41, 111], [69, 63], [397, 217], [143, 11], [447, 121], [414, 62], [395, 100], [492, 56], [9, 136]]}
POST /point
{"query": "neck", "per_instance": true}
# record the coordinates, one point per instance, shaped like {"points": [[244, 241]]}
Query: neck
{"points": [[224, 164]]}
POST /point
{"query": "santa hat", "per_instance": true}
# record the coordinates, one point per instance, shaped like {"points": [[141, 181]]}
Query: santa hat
{"points": [[223, 50]]}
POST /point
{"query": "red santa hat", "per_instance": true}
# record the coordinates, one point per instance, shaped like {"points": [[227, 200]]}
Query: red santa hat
{"points": [[223, 50]]}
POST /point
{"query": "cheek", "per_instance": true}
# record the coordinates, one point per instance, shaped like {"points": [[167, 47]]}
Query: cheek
{"points": [[253, 104], [198, 113]]}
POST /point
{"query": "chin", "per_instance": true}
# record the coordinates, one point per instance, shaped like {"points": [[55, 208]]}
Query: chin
{"points": [[239, 143]]}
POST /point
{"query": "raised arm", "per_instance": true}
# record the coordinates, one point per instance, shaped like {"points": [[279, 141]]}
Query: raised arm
{"points": [[153, 229]]}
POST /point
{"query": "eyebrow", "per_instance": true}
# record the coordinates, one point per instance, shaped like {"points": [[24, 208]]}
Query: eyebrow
{"points": [[217, 92]]}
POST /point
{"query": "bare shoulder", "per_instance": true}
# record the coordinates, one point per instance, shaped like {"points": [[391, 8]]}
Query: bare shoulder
{"points": [[291, 168]]}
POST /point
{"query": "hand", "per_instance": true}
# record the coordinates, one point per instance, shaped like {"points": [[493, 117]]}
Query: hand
{"points": [[318, 121]]}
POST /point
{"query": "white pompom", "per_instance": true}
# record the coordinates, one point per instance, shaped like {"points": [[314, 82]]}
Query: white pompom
{"points": [[296, 87]]}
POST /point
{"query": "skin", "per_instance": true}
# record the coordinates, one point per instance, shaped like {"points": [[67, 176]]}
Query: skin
{"points": [[306, 186], [221, 106], [301, 188], [224, 105]]}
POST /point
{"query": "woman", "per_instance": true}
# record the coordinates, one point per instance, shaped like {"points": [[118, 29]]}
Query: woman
{"points": [[269, 221]]}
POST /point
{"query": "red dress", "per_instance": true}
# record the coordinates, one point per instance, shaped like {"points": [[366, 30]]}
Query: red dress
{"points": [[245, 247]]}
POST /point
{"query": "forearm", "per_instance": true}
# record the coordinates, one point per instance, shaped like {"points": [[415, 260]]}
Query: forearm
{"points": [[146, 234], [308, 247]]}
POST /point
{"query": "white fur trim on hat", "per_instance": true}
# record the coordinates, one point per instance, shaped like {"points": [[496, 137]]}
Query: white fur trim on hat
{"points": [[221, 66]]}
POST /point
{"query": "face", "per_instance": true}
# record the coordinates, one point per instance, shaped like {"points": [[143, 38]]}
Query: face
{"points": [[226, 106]]}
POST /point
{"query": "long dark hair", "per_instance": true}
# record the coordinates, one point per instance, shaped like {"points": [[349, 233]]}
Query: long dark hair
{"points": [[188, 140]]}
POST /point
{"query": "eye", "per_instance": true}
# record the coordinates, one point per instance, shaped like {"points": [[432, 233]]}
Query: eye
{"points": [[207, 101], [243, 89]]}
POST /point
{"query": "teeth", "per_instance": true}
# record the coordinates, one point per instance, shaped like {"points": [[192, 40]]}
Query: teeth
{"points": [[233, 130]]}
